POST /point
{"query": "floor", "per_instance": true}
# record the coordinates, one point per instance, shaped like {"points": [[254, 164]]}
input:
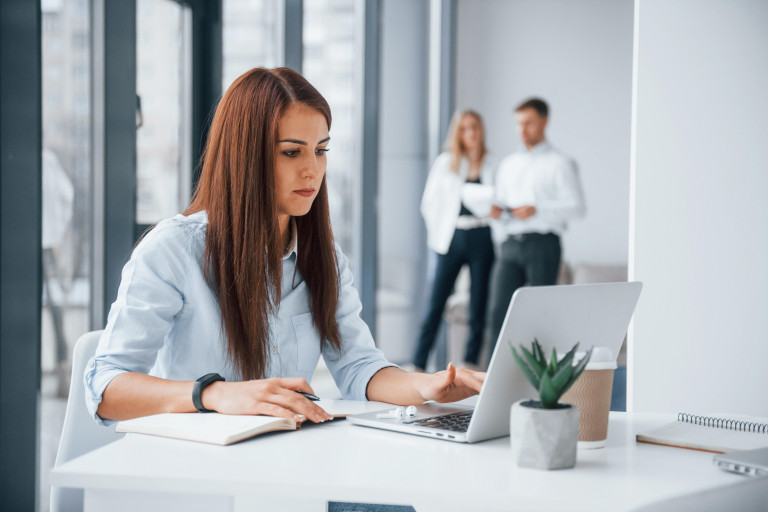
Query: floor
{"points": [[54, 388], [51, 420]]}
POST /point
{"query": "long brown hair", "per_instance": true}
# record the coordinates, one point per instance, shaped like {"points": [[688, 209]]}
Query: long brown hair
{"points": [[243, 247], [453, 143]]}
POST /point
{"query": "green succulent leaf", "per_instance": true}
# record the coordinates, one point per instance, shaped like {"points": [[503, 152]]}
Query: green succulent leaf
{"points": [[562, 379], [552, 369], [578, 368], [547, 392], [582, 363], [538, 352], [527, 371], [568, 358], [552, 378], [534, 363]]}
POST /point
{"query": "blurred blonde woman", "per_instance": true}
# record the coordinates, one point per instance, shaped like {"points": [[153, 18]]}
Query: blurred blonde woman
{"points": [[456, 206]]}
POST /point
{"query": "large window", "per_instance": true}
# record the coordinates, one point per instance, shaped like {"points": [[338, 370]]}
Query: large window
{"points": [[67, 209], [253, 33], [332, 37], [163, 109], [250, 36]]}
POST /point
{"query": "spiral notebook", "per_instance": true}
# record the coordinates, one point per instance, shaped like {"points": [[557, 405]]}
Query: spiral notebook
{"points": [[716, 433]]}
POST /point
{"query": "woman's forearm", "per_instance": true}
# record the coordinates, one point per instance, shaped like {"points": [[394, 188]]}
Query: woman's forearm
{"points": [[395, 386], [130, 395]]}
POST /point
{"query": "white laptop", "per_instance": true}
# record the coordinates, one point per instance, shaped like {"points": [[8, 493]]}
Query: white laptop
{"points": [[747, 462], [558, 316]]}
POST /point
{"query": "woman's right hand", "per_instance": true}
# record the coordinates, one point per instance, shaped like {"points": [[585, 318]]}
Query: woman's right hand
{"points": [[270, 397]]}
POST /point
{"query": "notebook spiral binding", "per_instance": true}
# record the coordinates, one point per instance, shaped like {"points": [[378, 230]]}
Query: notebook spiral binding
{"points": [[724, 423]]}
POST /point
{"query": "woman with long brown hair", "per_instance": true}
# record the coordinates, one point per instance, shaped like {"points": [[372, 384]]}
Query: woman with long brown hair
{"points": [[456, 207], [229, 306]]}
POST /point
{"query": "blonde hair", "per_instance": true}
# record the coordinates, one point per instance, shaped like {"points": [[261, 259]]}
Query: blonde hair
{"points": [[453, 143]]}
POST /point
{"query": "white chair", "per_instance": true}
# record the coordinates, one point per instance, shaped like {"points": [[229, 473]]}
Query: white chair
{"points": [[81, 434]]}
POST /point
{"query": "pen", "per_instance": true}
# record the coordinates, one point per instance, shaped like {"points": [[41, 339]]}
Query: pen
{"points": [[308, 395]]}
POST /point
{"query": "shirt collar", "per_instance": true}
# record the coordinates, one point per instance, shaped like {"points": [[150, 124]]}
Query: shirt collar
{"points": [[539, 148], [293, 244]]}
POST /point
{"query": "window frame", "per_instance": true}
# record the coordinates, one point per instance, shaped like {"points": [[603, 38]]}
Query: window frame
{"points": [[20, 249]]}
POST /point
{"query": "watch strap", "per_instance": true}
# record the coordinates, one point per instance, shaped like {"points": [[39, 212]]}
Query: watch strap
{"points": [[197, 390]]}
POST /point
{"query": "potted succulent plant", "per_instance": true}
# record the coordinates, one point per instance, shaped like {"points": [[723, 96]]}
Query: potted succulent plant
{"points": [[544, 432]]}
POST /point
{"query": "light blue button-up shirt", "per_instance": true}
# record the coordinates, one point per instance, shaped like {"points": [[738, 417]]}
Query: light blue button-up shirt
{"points": [[166, 321]]}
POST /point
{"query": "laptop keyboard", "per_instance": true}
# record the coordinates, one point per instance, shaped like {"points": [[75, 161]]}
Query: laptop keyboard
{"points": [[456, 422]]}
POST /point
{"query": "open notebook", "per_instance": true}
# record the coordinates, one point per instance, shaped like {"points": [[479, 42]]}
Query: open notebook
{"points": [[716, 433], [211, 428], [224, 429]]}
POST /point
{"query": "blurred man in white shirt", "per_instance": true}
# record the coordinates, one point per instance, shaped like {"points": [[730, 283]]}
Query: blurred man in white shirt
{"points": [[537, 193]]}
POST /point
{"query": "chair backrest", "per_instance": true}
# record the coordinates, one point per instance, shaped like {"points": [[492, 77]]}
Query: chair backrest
{"points": [[81, 434]]}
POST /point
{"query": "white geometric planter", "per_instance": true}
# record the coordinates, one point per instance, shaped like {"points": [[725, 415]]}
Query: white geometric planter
{"points": [[543, 438]]}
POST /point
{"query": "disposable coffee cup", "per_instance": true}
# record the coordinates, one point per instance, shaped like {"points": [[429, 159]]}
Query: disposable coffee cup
{"points": [[591, 393]]}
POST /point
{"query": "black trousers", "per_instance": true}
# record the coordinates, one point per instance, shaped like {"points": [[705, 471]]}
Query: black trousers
{"points": [[472, 247], [531, 259]]}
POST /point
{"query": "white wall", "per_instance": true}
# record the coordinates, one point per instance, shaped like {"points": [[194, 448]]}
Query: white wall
{"points": [[578, 56], [700, 337]]}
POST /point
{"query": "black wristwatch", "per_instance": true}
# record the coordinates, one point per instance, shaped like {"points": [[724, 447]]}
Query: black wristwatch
{"points": [[197, 390]]}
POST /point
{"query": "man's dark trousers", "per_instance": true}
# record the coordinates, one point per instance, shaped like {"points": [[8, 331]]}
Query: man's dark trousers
{"points": [[530, 259]]}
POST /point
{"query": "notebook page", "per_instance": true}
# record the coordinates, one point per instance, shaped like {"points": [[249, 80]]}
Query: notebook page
{"points": [[344, 408], [209, 428]]}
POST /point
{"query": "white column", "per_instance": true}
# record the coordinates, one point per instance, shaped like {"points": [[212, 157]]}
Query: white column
{"points": [[699, 226]]}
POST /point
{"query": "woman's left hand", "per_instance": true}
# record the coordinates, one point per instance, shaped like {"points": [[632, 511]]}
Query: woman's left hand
{"points": [[452, 384]]}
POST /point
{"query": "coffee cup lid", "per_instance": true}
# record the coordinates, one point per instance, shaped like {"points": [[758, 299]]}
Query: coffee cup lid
{"points": [[602, 359]]}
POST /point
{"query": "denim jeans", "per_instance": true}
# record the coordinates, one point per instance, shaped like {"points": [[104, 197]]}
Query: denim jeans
{"points": [[472, 247]]}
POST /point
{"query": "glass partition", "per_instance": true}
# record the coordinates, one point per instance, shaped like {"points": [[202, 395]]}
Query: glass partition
{"points": [[332, 37], [250, 37], [163, 109], [67, 210]]}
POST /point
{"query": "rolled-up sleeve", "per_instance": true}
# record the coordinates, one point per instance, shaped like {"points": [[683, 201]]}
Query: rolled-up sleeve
{"points": [[566, 201], [358, 360], [149, 296]]}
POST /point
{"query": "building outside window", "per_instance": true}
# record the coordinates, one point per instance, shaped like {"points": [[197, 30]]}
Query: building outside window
{"points": [[250, 34], [163, 103], [332, 38], [67, 210]]}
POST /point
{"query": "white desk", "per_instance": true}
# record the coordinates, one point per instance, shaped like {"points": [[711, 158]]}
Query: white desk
{"points": [[340, 462]]}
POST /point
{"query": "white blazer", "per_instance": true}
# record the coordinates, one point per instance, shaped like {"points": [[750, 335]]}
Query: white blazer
{"points": [[443, 194]]}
